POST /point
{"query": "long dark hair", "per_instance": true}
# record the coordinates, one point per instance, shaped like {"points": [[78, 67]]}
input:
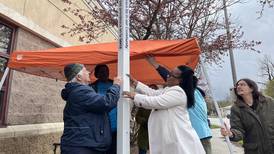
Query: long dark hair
{"points": [[195, 86], [251, 84], [186, 83]]}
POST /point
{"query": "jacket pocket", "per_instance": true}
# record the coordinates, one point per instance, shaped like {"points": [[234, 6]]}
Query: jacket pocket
{"points": [[251, 148]]}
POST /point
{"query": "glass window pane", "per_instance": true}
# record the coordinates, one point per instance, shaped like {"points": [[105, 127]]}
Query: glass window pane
{"points": [[5, 38], [3, 64]]}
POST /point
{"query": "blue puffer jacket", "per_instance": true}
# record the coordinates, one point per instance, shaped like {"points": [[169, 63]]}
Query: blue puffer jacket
{"points": [[86, 122]]}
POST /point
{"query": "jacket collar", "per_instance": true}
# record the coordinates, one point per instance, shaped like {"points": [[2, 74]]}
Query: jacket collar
{"points": [[243, 105]]}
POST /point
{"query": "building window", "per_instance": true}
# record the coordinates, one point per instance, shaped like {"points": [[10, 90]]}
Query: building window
{"points": [[7, 32]]}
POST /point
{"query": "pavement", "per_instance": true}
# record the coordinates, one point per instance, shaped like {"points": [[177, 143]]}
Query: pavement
{"points": [[218, 142], [219, 145]]}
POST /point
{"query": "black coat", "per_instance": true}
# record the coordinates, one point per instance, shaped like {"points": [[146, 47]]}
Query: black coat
{"points": [[86, 121]]}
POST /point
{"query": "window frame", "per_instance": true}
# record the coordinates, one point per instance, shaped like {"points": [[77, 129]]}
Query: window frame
{"points": [[7, 83]]}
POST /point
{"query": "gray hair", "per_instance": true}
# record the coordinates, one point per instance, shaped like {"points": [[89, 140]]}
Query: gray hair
{"points": [[75, 79]]}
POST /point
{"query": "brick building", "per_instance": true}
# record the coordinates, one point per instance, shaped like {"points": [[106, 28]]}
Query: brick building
{"points": [[31, 107]]}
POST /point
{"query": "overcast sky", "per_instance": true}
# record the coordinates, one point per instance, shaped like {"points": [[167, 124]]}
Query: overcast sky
{"points": [[247, 63]]}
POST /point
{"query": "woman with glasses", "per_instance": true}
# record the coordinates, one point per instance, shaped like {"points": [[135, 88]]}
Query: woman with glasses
{"points": [[252, 119], [169, 127], [197, 113]]}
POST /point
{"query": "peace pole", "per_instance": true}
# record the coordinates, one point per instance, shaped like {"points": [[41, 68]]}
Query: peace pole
{"points": [[123, 129]]}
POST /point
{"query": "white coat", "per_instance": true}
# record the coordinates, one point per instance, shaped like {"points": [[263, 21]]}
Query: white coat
{"points": [[169, 127]]}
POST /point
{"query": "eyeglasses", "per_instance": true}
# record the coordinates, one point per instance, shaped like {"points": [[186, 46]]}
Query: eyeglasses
{"points": [[170, 74], [241, 85]]}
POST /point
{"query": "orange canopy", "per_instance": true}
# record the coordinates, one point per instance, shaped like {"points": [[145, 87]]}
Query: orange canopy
{"points": [[50, 63]]}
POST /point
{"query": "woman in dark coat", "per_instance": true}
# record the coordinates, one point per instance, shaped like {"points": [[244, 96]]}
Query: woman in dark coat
{"points": [[252, 119]]}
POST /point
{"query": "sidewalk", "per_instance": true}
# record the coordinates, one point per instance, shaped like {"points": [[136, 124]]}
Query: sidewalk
{"points": [[218, 142], [219, 145]]}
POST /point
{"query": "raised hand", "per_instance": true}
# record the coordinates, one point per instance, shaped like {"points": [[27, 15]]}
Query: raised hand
{"points": [[150, 59], [129, 94], [117, 80], [133, 81]]}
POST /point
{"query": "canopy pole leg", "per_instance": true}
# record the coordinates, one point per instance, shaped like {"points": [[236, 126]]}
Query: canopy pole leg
{"points": [[230, 147], [4, 77]]}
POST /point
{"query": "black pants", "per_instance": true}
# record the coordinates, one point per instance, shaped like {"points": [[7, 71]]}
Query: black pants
{"points": [[79, 150], [113, 147]]}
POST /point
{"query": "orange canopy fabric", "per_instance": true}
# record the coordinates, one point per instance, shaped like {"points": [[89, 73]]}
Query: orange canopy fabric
{"points": [[50, 63]]}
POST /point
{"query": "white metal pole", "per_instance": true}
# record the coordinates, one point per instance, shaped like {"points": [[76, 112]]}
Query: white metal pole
{"points": [[123, 129], [216, 107], [4, 77]]}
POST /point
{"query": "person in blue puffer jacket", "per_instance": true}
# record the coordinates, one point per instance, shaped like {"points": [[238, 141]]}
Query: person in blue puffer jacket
{"points": [[197, 113], [86, 122]]}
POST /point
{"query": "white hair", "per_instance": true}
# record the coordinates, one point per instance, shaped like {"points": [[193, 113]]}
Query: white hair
{"points": [[75, 79]]}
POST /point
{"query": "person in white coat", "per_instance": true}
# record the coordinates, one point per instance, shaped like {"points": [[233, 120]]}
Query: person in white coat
{"points": [[169, 127]]}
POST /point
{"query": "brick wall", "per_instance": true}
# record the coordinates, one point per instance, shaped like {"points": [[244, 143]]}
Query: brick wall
{"points": [[33, 99], [40, 144]]}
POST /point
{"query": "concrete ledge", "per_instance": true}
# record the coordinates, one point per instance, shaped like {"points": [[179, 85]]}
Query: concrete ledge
{"points": [[30, 26], [30, 130]]}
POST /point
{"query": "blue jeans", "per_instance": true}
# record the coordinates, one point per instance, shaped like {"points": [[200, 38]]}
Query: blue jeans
{"points": [[142, 151]]}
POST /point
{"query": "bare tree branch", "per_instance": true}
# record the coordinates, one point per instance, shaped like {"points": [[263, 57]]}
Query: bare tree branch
{"points": [[267, 67], [264, 3], [165, 19]]}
